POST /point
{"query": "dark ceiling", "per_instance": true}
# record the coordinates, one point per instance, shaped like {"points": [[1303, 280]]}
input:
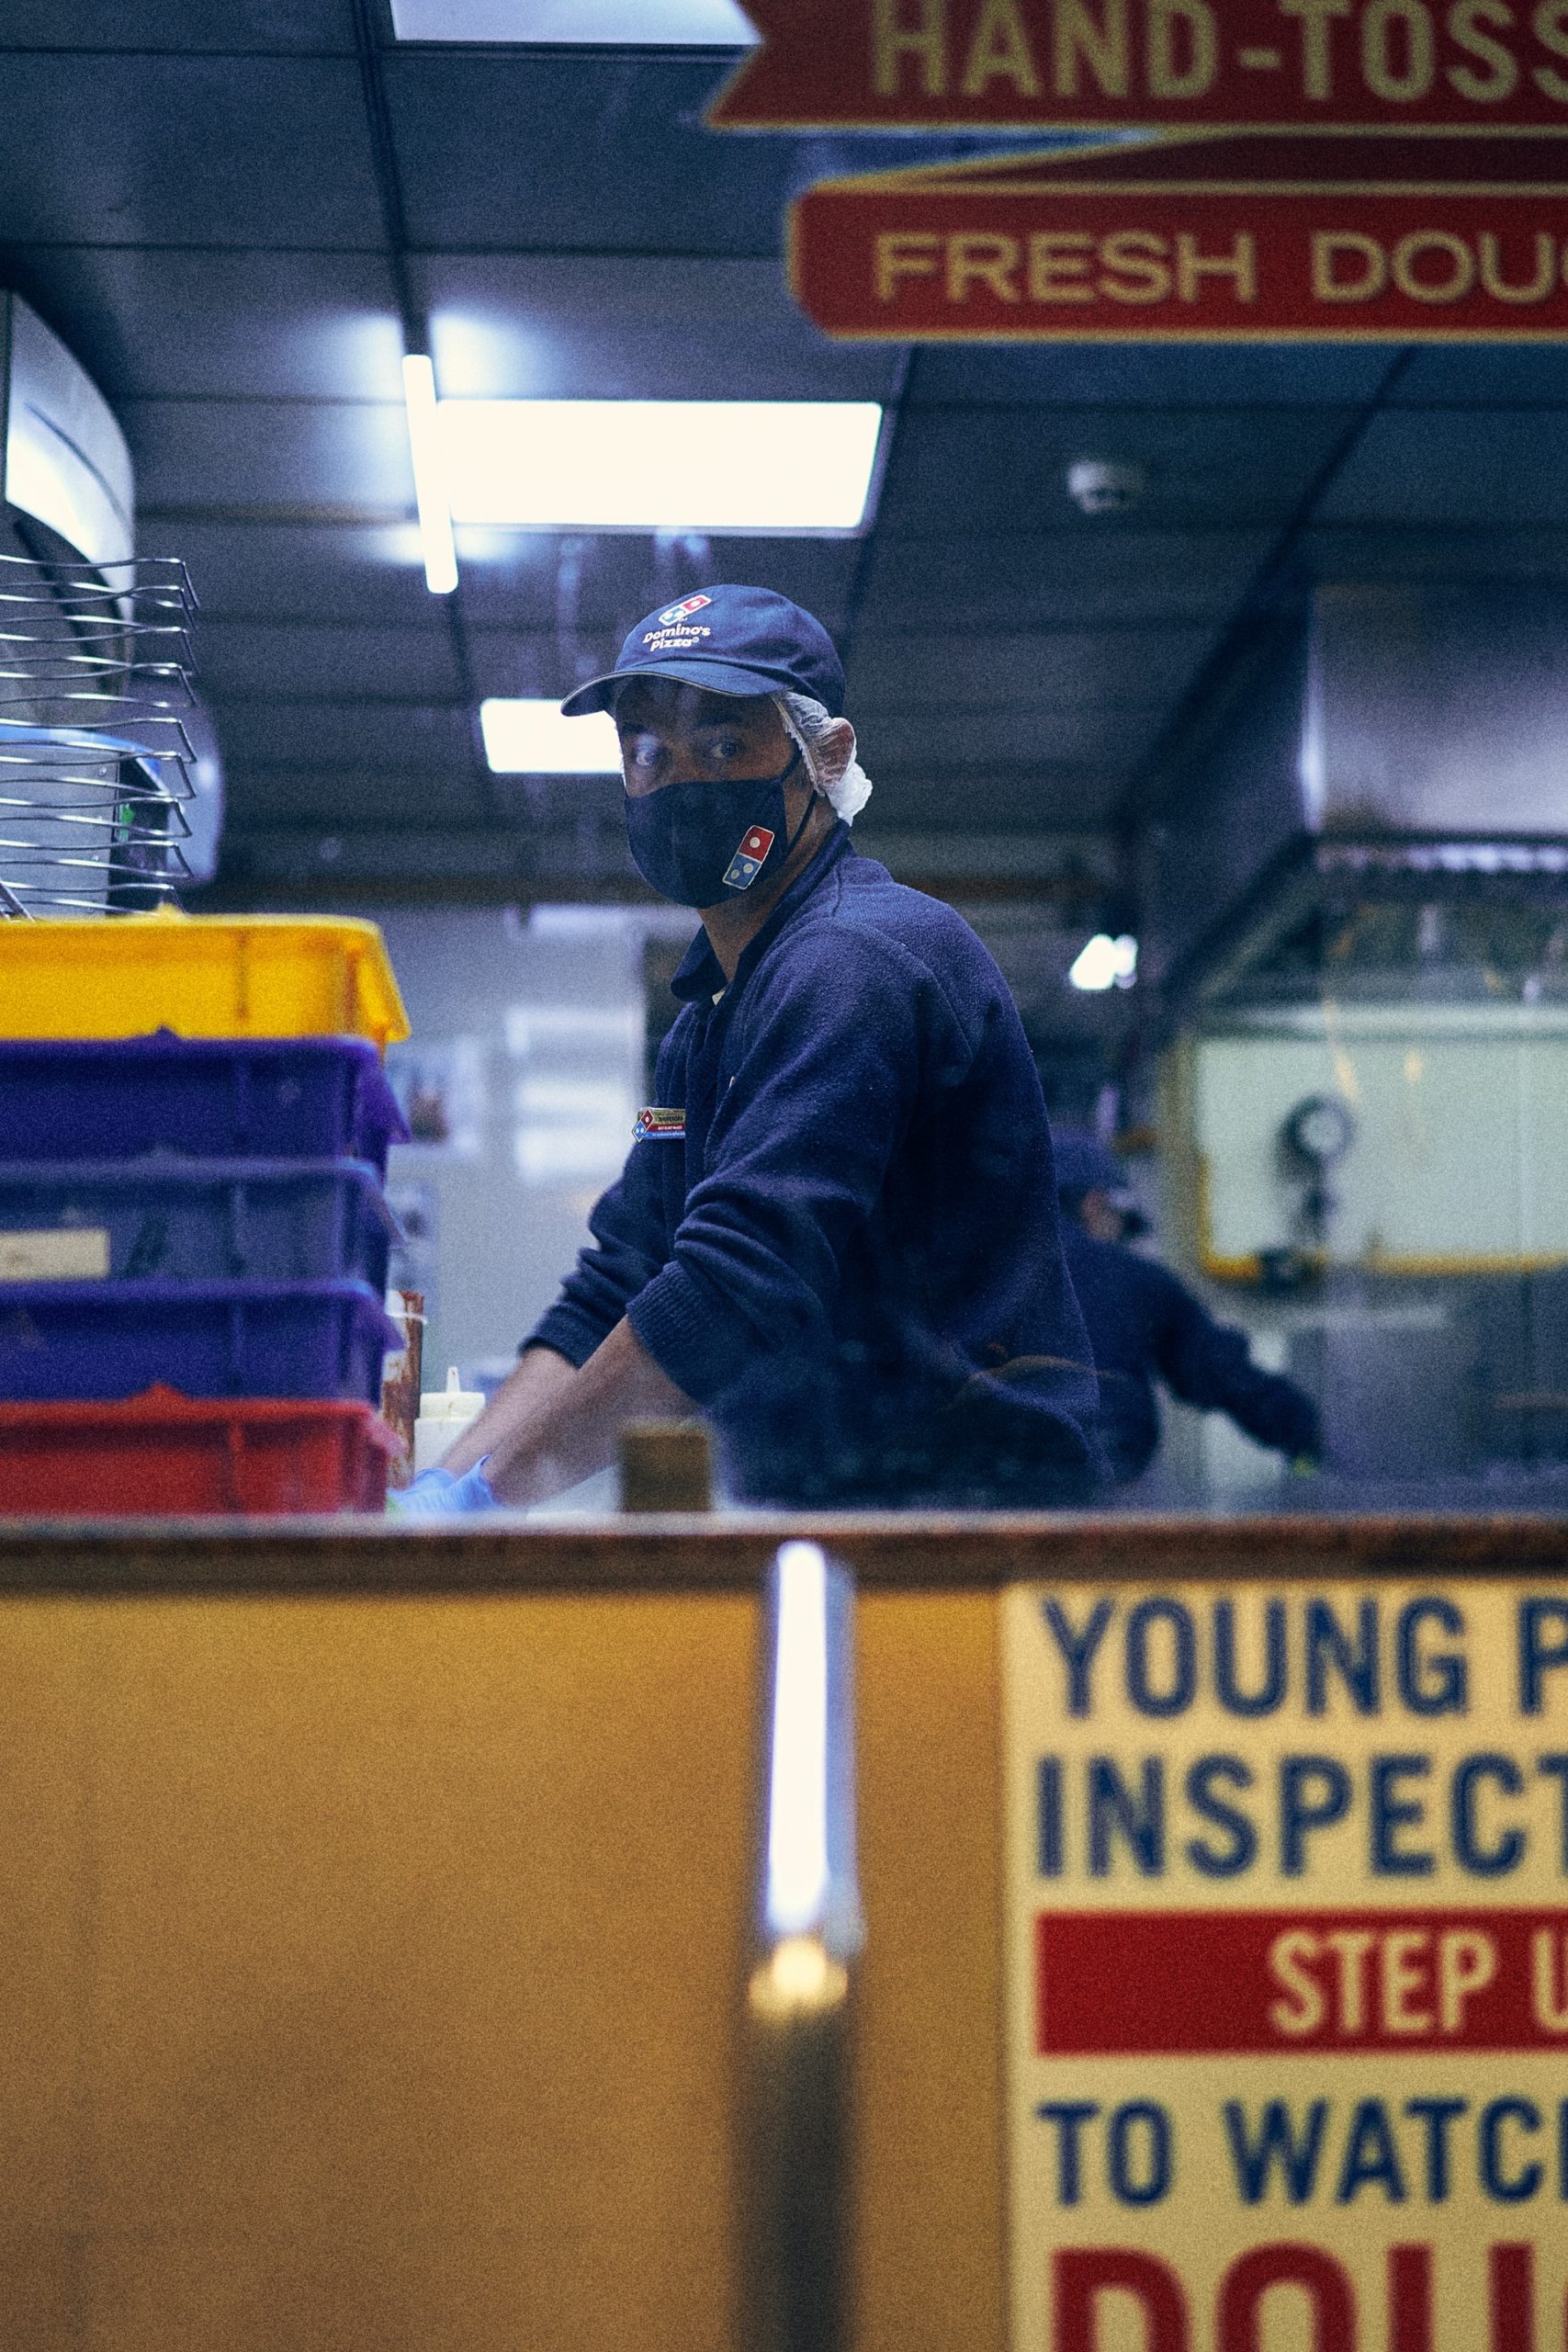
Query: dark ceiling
{"points": [[232, 209]]}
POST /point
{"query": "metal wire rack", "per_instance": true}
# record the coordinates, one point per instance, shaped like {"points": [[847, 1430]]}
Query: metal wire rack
{"points": [[96, 763]]}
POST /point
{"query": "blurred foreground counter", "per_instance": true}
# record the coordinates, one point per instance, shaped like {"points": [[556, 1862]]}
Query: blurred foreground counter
{"points": [[376, 1900]]}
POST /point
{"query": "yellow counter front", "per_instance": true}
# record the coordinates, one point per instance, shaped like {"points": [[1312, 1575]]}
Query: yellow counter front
{"points": [[374, 1907]]}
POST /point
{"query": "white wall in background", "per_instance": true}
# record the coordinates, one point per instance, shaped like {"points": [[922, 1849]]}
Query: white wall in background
{"points": [[1462, 1115], [528, 1047]]}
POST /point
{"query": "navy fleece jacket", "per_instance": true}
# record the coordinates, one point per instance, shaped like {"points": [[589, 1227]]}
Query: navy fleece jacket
{"points": [[1144, 1322], [851, 1261]]}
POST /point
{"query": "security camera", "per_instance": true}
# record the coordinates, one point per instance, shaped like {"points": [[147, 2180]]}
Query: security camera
{"points": [[1105, 485]]}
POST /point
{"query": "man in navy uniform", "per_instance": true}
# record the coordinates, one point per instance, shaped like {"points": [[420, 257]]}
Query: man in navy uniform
{"points": [[1144, 1325], [836, 1236]]}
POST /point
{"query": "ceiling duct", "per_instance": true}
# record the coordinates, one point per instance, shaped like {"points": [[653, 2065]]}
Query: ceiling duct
{"points": [[1402, 749], [66, 463]]}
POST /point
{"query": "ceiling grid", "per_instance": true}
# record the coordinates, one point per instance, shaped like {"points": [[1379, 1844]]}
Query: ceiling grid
{"points": [[238, 212]]}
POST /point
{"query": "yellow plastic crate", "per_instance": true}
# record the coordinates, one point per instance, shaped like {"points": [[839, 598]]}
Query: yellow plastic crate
{"points": [[202, 975]]}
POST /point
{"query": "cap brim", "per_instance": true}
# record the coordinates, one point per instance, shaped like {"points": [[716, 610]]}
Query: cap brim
{"points": [[712, 677]]}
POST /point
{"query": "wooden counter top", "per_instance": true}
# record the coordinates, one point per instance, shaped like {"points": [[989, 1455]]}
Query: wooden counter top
{"points": [[977, 1552]]}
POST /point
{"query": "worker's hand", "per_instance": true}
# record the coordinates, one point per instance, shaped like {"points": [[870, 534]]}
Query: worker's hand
{"points": [[435, 1494]]}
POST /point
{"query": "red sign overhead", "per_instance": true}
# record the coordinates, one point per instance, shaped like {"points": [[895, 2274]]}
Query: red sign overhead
{"points": [[1187, 240], [1473, 65]]}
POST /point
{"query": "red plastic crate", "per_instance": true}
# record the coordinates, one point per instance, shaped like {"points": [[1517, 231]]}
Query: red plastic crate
{"points": [[165, 1452]]}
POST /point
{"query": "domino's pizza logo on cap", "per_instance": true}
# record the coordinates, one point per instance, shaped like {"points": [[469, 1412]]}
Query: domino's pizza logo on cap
{"points": [[727, 640]]}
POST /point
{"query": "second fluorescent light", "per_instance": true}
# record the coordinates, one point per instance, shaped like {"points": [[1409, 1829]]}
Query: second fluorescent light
{"points": [[1105, 963], [709, 466], [531, 738], [615, 23], [430, 487]]}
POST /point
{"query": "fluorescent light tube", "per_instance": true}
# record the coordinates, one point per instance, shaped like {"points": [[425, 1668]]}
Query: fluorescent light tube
{"points": [[608, 24], [531, 738], [1105, 963], [429, 482], [710, 465]]}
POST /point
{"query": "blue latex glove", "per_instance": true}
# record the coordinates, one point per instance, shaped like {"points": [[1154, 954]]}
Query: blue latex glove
{"points": [[435, 1494]]}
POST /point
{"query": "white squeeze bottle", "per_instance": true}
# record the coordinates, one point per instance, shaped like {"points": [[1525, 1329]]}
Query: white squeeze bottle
{"points": [[443, 1415]]}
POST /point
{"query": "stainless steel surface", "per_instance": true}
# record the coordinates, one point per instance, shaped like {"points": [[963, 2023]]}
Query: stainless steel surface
{"points": [[1404, 743], [1436, 710], [64, 455], [806, 1934], [96, 760]]}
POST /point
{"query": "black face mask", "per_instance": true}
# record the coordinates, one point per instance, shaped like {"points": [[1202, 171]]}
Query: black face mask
{"points": [[703, 843]]}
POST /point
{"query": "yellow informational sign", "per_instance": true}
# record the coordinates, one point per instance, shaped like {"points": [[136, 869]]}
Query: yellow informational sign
{"points": [[1286, 1920]]}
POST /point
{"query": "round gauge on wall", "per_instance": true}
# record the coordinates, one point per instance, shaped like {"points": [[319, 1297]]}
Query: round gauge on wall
{"points": [[1320, 1130]]}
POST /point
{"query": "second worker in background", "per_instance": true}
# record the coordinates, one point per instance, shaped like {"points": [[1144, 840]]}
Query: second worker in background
{"points": [[1145, 1326]]}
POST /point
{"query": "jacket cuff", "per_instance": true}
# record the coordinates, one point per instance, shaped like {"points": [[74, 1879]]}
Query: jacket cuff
{"points": [[571, 1335], [696, 1337]]}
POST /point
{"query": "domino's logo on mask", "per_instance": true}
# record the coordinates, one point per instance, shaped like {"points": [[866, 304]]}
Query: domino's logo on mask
{"points": [[749, 859], [681, 611]]}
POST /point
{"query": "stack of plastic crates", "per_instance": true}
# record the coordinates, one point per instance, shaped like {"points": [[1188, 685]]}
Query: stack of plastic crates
{"points": [[194, 1126]]}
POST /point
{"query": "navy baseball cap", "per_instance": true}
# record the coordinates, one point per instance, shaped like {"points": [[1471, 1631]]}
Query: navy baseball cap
{"points": [[729, 642], [1084, 1164]]}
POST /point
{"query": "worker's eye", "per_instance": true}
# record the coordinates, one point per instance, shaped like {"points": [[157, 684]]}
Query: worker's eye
{"points": [[641, 753], [726, 748]]}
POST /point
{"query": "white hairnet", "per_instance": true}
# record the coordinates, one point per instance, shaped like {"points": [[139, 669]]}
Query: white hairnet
{"points": [[842, 782]]}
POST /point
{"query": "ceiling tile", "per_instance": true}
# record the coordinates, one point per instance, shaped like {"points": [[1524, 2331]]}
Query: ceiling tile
{"points": [[1372, 550], [565, 583], [254, 26], [550, 151], [1493, 467], [326, 658], [645, 327], [292, 572], [275, 730], [672, 186], [980, 739], [150, 323], [1109, 572], [1479, 375], [1044, 797], [537, 662], [322, 800], [272, 456], [1149, 375], [544, 805], [1043, 669], [1006, 470], [187, 151]]}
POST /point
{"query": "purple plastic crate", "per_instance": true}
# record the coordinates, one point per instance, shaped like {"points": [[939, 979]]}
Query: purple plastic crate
{"points": [[285, 1098], [194, 1220], [78, 1341]]}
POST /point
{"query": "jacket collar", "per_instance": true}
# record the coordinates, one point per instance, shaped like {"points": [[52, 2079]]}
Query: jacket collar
{"points": [[700, 975]]}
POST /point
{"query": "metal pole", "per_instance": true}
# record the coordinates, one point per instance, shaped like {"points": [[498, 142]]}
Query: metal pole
{"points": [[808, 1934]]}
